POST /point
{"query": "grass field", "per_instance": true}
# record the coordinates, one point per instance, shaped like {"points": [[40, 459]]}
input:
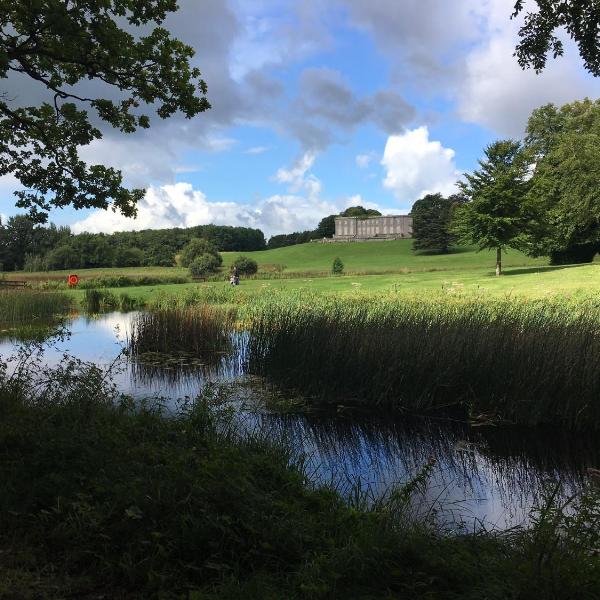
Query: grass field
{"points": [[373, 266], [377, 257], [531, 282]]}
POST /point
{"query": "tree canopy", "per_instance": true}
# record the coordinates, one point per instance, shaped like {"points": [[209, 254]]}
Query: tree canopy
{"points": [[108, 56], [431, 222], [360, 211], [496, 215], [580, 19], [566, 184]]}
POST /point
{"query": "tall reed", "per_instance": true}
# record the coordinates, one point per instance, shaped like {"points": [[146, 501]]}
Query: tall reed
{"points": [[528, 361], [199, 330], [19, 307]]}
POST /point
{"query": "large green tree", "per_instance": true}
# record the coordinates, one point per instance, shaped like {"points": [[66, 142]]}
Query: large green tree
{"points": [[326, 227], [565, 142], [129, 64], [579, 18], [496, 215], [431, 222]]}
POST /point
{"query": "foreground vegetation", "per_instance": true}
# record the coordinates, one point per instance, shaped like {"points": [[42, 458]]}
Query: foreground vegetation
{"points": [[101, 498]]}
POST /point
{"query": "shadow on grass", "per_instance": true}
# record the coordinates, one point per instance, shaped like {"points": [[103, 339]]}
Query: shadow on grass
{"points": [[455, 250], [543, 269]]}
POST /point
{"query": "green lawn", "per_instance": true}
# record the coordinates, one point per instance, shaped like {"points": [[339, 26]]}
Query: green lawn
{"points": [[394, 266], [531, 282], [377, 257]]}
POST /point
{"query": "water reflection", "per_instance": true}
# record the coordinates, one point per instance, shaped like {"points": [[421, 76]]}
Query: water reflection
{"points": [[484, 475]]}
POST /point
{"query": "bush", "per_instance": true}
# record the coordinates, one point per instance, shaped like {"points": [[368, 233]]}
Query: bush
{"points": [[338, 266], [245, 265], [204, 265], [196, 248]]}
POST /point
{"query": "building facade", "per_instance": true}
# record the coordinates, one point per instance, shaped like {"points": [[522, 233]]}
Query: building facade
{"points": [[388, 227]]}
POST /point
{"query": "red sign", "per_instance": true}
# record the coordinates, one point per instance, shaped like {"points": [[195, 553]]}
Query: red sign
{"points": [[72, 280]]}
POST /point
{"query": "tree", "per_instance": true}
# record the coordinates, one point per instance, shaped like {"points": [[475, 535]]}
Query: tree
{"points": [[337, 268], [431, 222], [128, 257], [360, 211], [565, 143], [496, 215], [245, 265], [326, 227], [127, 62], [205, 264], [198, 247], [579, 18]]}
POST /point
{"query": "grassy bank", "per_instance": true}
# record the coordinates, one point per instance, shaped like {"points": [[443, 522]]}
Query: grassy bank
{"points": [[99, 499]]}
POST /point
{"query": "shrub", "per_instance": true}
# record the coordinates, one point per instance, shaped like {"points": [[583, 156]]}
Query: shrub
{"points": [[338, 266], [245, 265], [204, 265], [196, 248]]}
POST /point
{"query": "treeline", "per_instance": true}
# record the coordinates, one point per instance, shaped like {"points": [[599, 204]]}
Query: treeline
{"points": [[325, 228], [27, 246]]}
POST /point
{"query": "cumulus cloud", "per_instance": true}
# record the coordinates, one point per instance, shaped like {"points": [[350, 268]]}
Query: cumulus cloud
{"points": [[179, 205], [498, 94], [463, 52], [298, 178], [416, 165]]}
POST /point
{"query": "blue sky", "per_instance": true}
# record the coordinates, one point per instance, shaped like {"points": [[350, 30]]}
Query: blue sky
{"points": [[321, 105]]}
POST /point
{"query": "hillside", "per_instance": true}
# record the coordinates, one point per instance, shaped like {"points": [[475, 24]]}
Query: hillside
{"points": [[377, 257]]}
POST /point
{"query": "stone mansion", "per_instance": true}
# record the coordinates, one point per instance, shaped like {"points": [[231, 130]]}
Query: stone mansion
{"points": [[388, 227]]}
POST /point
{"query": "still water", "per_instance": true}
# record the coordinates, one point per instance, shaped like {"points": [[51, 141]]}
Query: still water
{"points": [[485, 476]]}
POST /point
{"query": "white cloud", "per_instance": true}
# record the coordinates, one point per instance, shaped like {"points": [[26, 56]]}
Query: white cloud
{"points": [[416, 166], [179, 205], [496, 93], [297, 178]]}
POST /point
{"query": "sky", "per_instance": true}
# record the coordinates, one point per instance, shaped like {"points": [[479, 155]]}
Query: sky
{"points": [[323, 104]]}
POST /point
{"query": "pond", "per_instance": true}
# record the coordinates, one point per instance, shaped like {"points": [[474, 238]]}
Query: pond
{"points": [[482, 476]]}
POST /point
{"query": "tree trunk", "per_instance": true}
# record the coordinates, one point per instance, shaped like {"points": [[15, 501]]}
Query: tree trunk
{"points": [[498, 262]]}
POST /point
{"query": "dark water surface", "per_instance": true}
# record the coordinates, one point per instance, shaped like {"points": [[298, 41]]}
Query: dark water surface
{"points": [[482, 475]]}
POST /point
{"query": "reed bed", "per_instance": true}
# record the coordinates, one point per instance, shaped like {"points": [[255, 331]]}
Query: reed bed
{"points": [[197, 331], [96, 301], [530, 362], [18, 307]]}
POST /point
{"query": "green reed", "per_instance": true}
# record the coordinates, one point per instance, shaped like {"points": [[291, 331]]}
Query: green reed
{"points": [[18, 307], [530, 361], [99, 300], [203, 329]]}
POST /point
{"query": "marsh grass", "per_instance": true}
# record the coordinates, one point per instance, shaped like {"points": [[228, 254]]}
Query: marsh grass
{"points": [[101, 300], [27, 306], [101, 497], [530, 362], [203, 330]]}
